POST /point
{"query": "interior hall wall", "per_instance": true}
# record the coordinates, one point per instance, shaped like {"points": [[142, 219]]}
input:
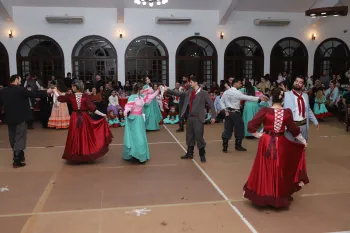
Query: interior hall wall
{"points": [[30, 21]]}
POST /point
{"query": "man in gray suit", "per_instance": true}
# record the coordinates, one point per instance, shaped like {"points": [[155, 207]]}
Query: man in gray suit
{"points": [[298, 102], [196, 99]]}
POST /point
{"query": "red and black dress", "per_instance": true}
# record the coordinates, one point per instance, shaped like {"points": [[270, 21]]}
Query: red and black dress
{"points": [[87, 139], [279, 164]]}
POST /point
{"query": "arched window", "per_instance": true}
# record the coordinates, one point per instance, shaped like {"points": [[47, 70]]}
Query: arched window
{"points": [[244, 58], [147, 56], [4, 66], [94, 55], [288, 55], [197, 55], [331, 56], [41, 56]]}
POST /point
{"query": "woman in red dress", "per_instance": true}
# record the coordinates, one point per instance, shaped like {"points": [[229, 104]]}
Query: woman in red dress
{"points": [[87, 139], [279, 168]]}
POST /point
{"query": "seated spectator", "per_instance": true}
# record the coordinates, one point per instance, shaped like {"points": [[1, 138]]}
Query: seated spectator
{"points": [[331, 95], [113, 103]]}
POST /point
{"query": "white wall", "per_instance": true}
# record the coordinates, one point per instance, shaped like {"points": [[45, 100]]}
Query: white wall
{"points": [[137, 22]]}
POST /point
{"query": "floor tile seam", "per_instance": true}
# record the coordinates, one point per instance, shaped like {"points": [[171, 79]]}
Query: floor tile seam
{"points": [[112, 144], [323, 194], [116, 208], [29, 224], [140, 207]]}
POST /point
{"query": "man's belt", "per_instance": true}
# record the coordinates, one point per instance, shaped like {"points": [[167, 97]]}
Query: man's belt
{"points": [[233, 110], [300, 123]]}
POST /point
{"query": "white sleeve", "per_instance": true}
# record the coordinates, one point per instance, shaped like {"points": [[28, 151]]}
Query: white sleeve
{"points": [[301, 139], [38, 85], [257, 135], [242, 96], [222, 101], [99, 113]]}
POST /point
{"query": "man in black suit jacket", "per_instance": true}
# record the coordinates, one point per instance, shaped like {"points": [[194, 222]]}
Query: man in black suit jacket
{"points": [[15, 100], [196, 99]]}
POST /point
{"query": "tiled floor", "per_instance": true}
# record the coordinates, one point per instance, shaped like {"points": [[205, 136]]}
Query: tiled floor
{"points": [[50, 196]]}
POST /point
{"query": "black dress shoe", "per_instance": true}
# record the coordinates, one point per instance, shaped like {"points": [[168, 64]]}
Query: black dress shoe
{"points": [[189, 154], [181, 127], [224, 145], [18, 164], [23, 158], [239, 146], [202, 155], [180, 130]]}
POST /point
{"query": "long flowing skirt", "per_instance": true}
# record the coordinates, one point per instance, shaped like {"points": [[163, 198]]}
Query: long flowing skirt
{"points": [[250, 109], [321, 111], [60, 117], [273, 179], [153, 115], [87, 139], [135, 139]]}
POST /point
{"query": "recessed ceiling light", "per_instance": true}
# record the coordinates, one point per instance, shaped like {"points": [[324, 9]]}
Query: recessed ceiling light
{"points": [[335, 15], [323, 13], [313, 15]]}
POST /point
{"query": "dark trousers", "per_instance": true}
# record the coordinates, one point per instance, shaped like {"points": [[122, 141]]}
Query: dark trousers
{"points": [[182, 119], [195, 132], [18, 136], [31, 120], [233, 121]]}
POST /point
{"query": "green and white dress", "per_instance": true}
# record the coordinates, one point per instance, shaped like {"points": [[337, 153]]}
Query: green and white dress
{"points": [[135, 138], [249, 111], [152, 111]]}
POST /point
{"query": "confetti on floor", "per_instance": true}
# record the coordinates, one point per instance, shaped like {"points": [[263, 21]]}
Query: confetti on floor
{"points": [[4, 189], [139, 212]]}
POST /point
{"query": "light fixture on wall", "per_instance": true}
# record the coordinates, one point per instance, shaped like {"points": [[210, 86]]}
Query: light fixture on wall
{"points": [[313, 36], [221, 35], [10, 33], [150, 3], [120, 34]]}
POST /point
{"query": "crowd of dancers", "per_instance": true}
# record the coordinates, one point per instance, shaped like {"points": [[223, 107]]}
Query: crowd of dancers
{"points": [[281, 124]]}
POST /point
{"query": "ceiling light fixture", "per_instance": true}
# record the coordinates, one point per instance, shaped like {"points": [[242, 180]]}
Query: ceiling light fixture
{"points": [[327, 11], [150, 2]]}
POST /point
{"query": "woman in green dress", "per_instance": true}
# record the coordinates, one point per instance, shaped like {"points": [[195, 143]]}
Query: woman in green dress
{"points": [[250, 108], [135, 138], [152, 111]]}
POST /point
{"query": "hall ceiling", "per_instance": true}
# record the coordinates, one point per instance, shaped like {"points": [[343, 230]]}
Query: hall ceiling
{"points": [[224, 7], [241, 5]]}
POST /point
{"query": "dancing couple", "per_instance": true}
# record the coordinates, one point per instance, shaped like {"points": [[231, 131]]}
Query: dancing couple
{"points": [[279, 168]]}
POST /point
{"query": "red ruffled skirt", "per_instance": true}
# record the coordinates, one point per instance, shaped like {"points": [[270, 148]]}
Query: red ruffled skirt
{"points": [[87, 139], [276, 172], [323, 115]]}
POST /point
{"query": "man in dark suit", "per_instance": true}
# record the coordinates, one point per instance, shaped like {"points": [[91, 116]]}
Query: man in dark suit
{"points": [[185, 86], [195, 99], [15, 100]]}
